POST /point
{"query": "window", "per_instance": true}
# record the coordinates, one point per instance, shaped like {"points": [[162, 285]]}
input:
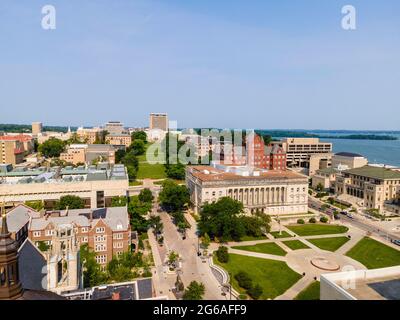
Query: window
{"points": [[84, 229], [49, 233], [84, 239], [100, 238], [118, 236], [100, 230], [118, 245], [100, 247], [101, 259], [37, 234]]}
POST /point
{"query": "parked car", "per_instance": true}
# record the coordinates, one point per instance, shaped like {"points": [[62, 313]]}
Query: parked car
{"points": [[396, 242], [349, 215], [344, 213]]}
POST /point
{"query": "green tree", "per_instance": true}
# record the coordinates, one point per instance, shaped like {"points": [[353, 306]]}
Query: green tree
{"points": [[139, 135], [320, 187], [137, 147], [175, 171], [35, 205], [146, 195], [255, 292], [119, 155], [173, 257], [195, 291], [222, 219], [43, 246], [222, 254], [118, 201], [137, 206], [52, 148], [92, 274], [70, 201], [156, 223], [173, 197], [205, 242]]}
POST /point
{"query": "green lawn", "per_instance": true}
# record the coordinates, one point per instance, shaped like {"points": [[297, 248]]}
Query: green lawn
{"points": [[151, 171], [251, 238], [312, 292], [284, 234], [270, 248], [275, 277], [329, 244], [135, 183], [317, 229], [295, 244], [374, 254]]}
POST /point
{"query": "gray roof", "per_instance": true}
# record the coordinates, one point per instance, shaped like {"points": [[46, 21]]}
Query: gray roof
{"points": [[19, 216], [116, 218], [348, 154], [145, 288]]}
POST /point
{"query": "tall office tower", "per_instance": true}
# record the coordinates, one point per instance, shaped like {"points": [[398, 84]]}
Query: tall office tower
{"points": [[114, 127], [159, 121], [36, 128]]}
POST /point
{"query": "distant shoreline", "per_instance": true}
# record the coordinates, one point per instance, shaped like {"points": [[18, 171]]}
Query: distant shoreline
{"points": [[297, 134]]}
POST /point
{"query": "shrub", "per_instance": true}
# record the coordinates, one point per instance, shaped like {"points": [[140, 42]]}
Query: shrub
{"points": [[312, 220], [255, 292], [222, 254], [323, 219], [242, 297], [301, 221], [244, 280]]}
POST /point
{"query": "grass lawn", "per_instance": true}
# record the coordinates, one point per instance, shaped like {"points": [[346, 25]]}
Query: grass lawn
{"points": [[295, 244], [135, 183], [310, 293], [317, 229], [270, 248], [275, 277], [151, 171], [251, 238], [284, 234], [162, 181], [329, 244], [374, 254]]}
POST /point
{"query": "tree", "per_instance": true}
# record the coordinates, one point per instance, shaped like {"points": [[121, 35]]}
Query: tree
{"points": [[140, 135], [146, 195], [173, 257], [255, 292], [137, 206], [195, 291], [51, 148], [130, 159], [320, 187], [70, 201], [173, 197], [323, 219], [176, 171], [205, 242], [132, 173], [222, 254], [119, 154], [118, 201], [92, 274], [244, 280], [35, 205], [312, 220], [156, 223], [137, 147], [300, 221], [222, 219]]}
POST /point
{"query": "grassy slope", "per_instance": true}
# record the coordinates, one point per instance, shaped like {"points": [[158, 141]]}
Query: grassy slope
{"points": [[312, 292], [374, 254], [317, 229], [329, 244], [275, 277], [270, 248]]}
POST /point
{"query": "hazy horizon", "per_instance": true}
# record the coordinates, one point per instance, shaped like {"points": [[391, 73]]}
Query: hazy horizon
{"points": [[225, 64]]}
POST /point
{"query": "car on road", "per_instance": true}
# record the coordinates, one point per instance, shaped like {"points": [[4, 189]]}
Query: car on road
{"points": [[349, 215], [344, 213], [396, 242]]}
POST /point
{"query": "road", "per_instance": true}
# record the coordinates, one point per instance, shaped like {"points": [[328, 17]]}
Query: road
{"points": [[356, 221], [192, 268]]}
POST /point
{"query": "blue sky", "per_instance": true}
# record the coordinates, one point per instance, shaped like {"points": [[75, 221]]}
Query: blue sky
{"points": [[221, 63]]}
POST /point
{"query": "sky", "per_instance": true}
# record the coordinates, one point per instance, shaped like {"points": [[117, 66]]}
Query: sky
{"points": [[267, 64]]}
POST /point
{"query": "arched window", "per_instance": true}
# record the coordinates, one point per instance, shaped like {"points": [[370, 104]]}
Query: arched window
{"points": [[2, 276]]}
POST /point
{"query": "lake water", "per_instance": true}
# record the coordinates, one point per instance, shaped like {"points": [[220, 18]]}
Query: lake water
{"points": [[376, 151]]}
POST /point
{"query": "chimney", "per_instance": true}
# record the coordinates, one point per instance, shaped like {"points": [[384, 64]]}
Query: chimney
{"points": [[115, 296]]}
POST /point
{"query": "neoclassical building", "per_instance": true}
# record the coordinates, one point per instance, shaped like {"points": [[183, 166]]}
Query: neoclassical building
{"points": [[272, 192]]}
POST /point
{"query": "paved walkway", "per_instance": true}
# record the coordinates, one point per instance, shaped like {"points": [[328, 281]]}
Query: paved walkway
{"points": [[293, 291], [257, 254]]}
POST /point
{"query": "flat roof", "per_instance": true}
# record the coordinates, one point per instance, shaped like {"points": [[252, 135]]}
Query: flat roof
{"points": [[375, 173], [349, 154], [209, 173]]}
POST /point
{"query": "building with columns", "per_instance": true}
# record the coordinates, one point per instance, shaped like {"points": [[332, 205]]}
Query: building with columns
{"points": [[272, 192]]}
